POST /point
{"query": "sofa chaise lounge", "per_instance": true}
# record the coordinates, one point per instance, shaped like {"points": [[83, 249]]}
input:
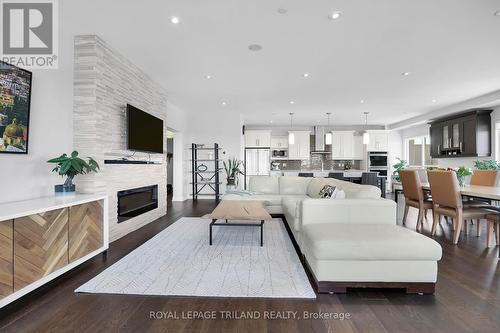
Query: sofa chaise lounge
{"points": [[350, 242]]}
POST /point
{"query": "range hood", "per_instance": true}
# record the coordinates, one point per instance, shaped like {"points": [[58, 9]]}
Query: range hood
{"points": [[319, 141]]}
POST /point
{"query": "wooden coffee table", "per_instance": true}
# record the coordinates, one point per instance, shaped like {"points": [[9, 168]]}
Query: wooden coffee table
{"points": [[245, 213]]}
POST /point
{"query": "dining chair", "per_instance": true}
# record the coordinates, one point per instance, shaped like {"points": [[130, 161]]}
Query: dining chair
{"points": [[493, 227], [306, 174], [447, 201], [414, 195], [336, 175], [481, 178]]}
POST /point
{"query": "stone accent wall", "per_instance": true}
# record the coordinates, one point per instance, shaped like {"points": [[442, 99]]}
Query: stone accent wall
{"points": [[104, 83]]}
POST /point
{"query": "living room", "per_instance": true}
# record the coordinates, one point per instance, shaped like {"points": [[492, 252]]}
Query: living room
{"points": [[263, 166]]}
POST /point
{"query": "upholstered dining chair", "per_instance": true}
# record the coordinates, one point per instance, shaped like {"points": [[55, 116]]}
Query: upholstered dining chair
{"points": [[306, 174], [414, 195], [481, 178], [493, 227], [447, 201]]}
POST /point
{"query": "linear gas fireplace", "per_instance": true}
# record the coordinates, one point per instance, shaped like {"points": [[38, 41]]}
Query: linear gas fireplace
{"points": [[136, 201]]}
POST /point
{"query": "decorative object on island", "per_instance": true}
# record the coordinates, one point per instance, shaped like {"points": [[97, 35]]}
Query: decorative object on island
{"points": [[461, 173], [70, 166], [486, 165], [233, 169], [366, 135], [402, 164], [15, 97]]}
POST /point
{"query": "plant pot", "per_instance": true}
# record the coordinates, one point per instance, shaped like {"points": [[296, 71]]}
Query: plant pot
{"points": [[64, 190], [461, 181], [231, 182]]}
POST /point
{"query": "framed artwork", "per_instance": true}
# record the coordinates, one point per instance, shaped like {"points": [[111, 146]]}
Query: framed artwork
{"points": [[15, 99]]}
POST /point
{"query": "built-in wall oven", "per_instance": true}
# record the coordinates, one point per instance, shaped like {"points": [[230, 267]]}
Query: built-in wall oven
{"points": [[378, 162]]}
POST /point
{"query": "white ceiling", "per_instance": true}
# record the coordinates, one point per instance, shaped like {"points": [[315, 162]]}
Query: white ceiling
{"points": [[450, 47]]}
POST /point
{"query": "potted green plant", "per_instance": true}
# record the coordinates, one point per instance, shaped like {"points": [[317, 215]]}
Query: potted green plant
{"points": [[486, 165], [233, 169], [70, 166], [402, 164], [463, 172]]}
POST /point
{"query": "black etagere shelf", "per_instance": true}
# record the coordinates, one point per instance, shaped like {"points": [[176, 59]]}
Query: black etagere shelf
{"points": [[205, 179]]}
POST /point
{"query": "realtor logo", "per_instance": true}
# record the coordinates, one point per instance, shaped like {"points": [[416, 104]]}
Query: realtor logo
{"points": [[29, 33]]}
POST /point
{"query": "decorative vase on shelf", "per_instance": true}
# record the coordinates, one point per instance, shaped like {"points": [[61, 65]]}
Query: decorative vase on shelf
{"points": [[68, 188], [461, 181]]}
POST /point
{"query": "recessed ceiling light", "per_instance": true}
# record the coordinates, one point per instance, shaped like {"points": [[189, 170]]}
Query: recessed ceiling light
{"points": [[255, 47], [305, 75], [292, 102], [362, 101], [434, 101], [175, 20], [282, 10], [335, 15], [208, 77], [224, 103], [318, 121], [271, 121], [405, 73], [497, 13]]}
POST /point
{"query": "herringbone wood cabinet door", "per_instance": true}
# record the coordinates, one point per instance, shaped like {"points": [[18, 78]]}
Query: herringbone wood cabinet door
{"points": [[40, 246], [6, 258], [85, 229]]}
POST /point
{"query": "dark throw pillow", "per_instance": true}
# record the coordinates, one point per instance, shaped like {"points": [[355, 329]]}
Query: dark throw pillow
{"points": [[326, 192]]}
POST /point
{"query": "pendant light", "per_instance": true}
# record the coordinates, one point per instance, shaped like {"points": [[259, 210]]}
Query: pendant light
{"points": [[291, 135], [366, 135], [328, 135]]}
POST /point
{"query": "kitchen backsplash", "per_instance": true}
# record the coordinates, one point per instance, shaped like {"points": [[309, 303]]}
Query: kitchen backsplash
{"points": [[318, 162]]}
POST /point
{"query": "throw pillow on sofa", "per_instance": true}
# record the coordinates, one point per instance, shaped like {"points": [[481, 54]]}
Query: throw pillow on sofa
{"points": [[327, 191]]}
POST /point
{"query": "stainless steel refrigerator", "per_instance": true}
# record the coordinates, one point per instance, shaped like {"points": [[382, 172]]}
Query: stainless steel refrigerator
{"points": [[257, 163]]}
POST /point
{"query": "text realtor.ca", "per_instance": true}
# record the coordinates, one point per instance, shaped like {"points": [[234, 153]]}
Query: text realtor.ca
{"points": [[248, 315]]}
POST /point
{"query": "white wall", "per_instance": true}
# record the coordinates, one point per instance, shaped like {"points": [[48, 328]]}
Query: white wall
{"points": [[224, 128], [50, 133], [177, 121]]}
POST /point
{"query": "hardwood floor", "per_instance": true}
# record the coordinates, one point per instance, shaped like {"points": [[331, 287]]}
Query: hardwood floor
{"points": [[467, 297]]}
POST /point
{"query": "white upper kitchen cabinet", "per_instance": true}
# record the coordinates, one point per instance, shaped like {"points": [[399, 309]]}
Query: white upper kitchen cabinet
{"points": [[257, 139], [343, 145], [379, 141], [359, 149], [279, 142], [301, 148]]}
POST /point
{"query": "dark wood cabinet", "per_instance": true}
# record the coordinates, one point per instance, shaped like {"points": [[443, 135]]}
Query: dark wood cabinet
{"points": [[467, 134]]}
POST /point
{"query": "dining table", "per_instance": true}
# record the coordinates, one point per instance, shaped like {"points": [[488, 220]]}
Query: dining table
{"points": [[476, 191]]}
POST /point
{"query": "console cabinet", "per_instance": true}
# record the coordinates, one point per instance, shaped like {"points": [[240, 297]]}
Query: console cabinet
{"points": [[466, 134], [37, 244], [6, 258], [85, 229], [40, 246]]}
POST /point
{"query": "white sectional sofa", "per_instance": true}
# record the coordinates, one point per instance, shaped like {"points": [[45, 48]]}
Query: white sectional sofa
{"points": [[351, 242]]}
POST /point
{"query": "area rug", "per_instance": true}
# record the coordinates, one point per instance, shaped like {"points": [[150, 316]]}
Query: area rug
{"points": [[179, 262]]}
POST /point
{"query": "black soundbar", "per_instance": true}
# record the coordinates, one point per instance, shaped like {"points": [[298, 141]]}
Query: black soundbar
{"points": [[129, 162]]}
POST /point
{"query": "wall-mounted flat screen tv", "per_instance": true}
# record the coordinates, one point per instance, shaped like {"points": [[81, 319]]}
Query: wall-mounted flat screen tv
{"points": [[145, 131], [15, 97]]}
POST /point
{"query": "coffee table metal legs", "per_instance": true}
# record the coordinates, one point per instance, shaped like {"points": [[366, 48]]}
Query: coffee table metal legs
{"points": [[261, 225]]}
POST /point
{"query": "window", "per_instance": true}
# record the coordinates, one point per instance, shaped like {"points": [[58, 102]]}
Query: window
{"points": [[418, 151]]}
